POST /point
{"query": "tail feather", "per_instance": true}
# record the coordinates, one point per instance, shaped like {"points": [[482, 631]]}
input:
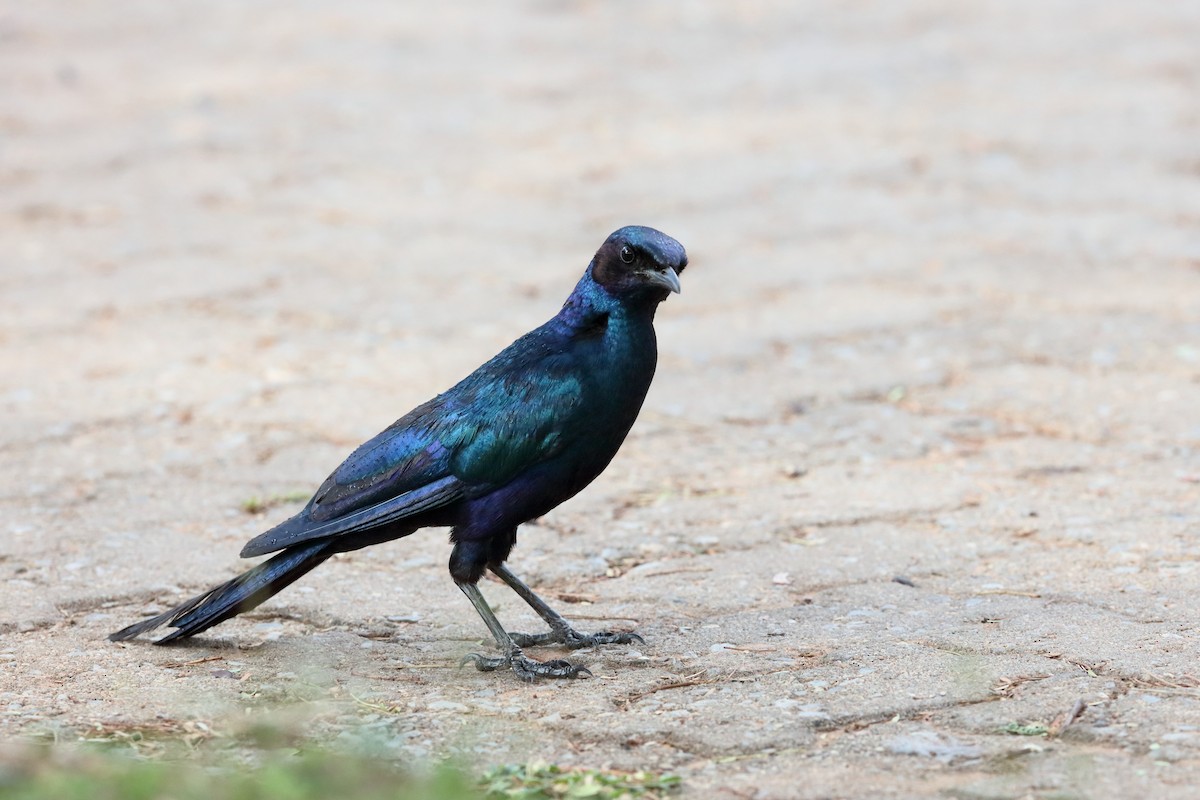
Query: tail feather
{"points": [[233, 597]]}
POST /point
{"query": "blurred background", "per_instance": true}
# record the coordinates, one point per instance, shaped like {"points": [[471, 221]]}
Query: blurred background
{"points": [[941, 321]]}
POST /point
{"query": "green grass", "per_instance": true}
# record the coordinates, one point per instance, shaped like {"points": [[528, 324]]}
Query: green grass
{"points": [[57, 773], [1027, 729], [548, 782], [45, 772]]}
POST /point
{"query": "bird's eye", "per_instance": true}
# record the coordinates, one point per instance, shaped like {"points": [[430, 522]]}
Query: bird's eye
{"points": [[627, 254]]}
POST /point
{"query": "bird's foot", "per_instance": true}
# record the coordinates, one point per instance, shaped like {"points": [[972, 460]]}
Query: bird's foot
{"points": [[524, 667], [573, 639]]}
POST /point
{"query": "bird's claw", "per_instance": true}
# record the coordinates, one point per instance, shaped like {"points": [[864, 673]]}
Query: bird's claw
{"points": [[524, 667], [573, 639]]}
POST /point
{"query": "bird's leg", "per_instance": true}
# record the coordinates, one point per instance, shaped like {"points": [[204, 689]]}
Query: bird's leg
{"points": [[524, 667], [560, 633]]}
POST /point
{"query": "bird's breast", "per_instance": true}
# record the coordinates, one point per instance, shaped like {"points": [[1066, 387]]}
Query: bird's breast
{"points": [[619, 365]]}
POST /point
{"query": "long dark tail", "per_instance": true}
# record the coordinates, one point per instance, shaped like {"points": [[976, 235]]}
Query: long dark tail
{"points": [[233, 597]]}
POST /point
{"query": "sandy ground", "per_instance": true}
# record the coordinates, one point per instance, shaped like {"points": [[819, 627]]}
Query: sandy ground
{"points": [[941, 325]]}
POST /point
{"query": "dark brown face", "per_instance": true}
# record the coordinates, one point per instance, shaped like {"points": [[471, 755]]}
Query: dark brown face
{"points": [[637, 261]]}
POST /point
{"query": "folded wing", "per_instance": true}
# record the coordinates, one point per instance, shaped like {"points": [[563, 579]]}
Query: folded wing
{"points": [[509, 415]]}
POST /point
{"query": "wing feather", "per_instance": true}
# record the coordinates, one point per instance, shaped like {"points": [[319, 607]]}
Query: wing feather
{"points": [[516, 411], [403, 505]]}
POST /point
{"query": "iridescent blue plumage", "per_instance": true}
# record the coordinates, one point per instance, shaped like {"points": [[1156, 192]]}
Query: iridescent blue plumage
{"points": [[518, 436]]}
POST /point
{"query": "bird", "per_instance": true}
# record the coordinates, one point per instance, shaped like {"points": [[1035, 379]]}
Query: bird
{"points": [[520, 435]]}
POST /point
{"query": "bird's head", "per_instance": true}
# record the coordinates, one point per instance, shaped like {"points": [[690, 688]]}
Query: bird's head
{"points": [[636, 262]]}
